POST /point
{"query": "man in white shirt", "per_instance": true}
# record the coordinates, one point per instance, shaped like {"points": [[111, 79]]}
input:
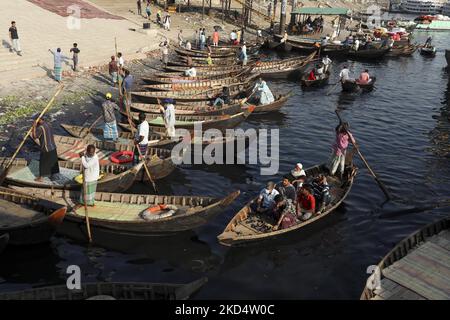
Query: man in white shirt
{"points": [[233, 36], [356, 45], [191, 72], [344, 75], [168, 111], [188, 45], [265, 202], [141, 138], [121, 61], [326, 63], [91, 173]]}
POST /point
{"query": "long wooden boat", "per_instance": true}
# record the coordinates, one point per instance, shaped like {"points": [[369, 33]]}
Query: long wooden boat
{"points": [[247, 226], [123, 212], [369, 54], [203, 63], [156, 138], [158, 161], [114, 178], [193, 95], [428, 52], [334, 50], [251, 47], [202, 60], [203, 54], [315, 83], [283, 69], [202, 85], [28, 219], [402, 51], [271, 107], [4, 239], [207, 122], [193, 110], [110, 291], [353, 86], [417, 268], [179, 77], [201, 70]]}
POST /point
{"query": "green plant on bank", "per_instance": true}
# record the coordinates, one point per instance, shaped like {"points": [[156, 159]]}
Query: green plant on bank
{"points": [[13, 108]]}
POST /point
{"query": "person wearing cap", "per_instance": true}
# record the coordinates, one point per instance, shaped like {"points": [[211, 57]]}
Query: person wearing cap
{"points": [[113, 70], [168, 111], [141, 137], [48, 160], [110, 128], [284, 213], [299, 176], [265, 202]]}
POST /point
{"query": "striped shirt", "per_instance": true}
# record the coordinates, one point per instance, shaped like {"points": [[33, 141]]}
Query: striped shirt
{"points": [[45, 135]]}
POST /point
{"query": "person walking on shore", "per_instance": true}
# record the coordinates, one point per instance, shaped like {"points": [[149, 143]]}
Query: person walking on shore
{"points": [[14, 36], [165, 52], [139, 7], [215, 38], [113, 70], [75, 51], [58, 57], [148, 11], [167, 22]]}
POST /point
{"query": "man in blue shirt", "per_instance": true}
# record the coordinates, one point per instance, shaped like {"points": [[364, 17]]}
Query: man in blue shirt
{"points": [[127, 85]]}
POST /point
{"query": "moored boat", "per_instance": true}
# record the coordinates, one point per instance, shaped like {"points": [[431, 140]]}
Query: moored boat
{"points": [[203, 54], [417, 268], [247, 226], [110, 291], [270, 107], [194, 110], [113, 178], [207, 70], [28, 219], [402, 51], [319, 82], [287, 68], [139, 214], [368, 54]]}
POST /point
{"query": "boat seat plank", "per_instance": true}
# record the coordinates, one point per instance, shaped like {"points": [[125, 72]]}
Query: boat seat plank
{"points": [[391, 290], [426, 271]]}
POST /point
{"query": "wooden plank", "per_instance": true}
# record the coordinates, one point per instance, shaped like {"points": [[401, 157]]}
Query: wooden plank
{"points": [[426, 271], [442, 240]]}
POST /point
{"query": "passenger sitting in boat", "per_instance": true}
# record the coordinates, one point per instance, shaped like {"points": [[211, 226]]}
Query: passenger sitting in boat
{"points": [[312, 75], [263, 93], [299, 176], [285, 37], [364, 77], [265, 202], [321, 191], [319, 71], [428, 42], [286, 189], [188, 45], [223, 98], [356, 45], [306, 203], [284, 213], [345, 75], [209, 60], [191, 72]]}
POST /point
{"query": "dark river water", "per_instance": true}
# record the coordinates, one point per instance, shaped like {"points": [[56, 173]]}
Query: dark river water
{"points": [[403, 130]]}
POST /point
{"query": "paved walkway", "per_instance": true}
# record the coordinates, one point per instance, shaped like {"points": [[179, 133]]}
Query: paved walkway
{"points": [[40, 30]]}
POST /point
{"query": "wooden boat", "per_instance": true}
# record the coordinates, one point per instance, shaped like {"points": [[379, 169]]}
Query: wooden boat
{"points": [[207, 122], [204, 54], [428, 52], [202, 60], [193, 95], [417, 268], [179, 77], [315, 83], [114, 178], [28, 219], [193, 110], [121, 212], [271, 107], [246, 226], [156, 139], [284, 68], [202, 85], [353, 86], [447, 56], [402, 51], [110, 291], [203, 63], [159, 161], [334, 50], [207, 70], [368, 54], [4, 239]]}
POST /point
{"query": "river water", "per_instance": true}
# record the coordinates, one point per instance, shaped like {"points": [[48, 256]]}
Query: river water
{"points": [[403, 130]]}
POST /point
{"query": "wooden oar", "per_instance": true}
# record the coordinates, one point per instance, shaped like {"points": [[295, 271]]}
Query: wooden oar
{"points": [[379, 182], [91, 126], [146, 169], [5, 171], [86, 213], [427, 207]]}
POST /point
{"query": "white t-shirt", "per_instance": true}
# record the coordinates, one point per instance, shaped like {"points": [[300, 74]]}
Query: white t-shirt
{"points": [[233, 36], [121, 62], [143, 131], [344, 75], [92, 168]]}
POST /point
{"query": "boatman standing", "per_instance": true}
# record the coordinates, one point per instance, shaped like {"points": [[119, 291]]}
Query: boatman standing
{"points": [[110, 129], [168, 111], [141, 138], [263, 92], [48, 160], [343, 137], [326, 63], [91, 169], [344, 75]]}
